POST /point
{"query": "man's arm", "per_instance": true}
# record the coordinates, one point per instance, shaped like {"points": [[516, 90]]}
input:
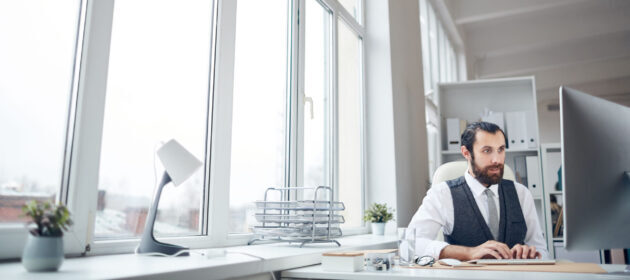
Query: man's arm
{"points": [[428, 220], [534, 237]]}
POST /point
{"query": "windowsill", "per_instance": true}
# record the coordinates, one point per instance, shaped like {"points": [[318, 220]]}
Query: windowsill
{"points": [[238, 262]]}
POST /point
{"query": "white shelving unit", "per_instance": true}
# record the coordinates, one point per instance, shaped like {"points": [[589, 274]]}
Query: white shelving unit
{"points": [[468, 101], [551, 160]]}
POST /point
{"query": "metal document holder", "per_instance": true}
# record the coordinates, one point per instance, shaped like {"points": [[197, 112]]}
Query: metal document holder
{"points": [[304, 221]]}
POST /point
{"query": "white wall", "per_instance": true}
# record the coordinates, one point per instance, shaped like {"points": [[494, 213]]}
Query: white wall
{"points": [[397, 141], [381, 158], [577, 43], [548, 123]]}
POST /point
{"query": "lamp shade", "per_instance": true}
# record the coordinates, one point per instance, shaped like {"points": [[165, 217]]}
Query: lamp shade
{"points": [[178, 162]]}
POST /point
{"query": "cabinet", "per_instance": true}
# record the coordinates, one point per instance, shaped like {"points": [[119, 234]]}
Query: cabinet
{"points": [[471, 99], [551, 160]]}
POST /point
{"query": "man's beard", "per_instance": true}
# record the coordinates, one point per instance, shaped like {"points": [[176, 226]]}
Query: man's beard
{"points": [[484, 176]]}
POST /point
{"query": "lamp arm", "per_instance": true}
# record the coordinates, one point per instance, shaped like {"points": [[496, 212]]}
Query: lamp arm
{"points": [[148, 244], [150, 222]]}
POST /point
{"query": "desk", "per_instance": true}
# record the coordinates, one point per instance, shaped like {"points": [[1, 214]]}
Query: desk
{"points": [[316, 272], [258, 259]]}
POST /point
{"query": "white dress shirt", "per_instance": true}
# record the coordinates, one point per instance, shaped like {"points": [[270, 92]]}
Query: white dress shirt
{"points": [[437, 212]]}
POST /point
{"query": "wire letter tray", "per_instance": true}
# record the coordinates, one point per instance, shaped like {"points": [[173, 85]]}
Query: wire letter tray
{"points": [[304, 221]]}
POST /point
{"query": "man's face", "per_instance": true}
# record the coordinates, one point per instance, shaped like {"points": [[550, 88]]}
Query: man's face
{"points": [[488, 157]]}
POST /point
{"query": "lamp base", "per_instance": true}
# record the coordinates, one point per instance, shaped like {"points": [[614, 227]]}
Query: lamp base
{"points": [[150, 245]]}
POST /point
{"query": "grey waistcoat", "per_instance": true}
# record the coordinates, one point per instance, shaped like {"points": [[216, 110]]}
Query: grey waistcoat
{"points": [[469, 227]]}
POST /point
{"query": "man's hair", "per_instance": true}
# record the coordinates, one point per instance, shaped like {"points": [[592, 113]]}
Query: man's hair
{"points": [[468, 137]]}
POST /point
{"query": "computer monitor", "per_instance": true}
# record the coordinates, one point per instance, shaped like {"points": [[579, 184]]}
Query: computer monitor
{"points": [[595, 137]]}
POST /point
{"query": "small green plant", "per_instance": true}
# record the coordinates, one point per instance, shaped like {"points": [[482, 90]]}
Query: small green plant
{"points": [[51, 220], [378, 213]]}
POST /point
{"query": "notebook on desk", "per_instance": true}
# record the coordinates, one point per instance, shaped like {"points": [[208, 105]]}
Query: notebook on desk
{"points": [[513, 262]]}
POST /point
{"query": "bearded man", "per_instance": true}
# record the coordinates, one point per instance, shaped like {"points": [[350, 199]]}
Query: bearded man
{"points": [[481, 214]]}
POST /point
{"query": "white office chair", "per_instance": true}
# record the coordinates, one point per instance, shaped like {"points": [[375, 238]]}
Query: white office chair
{"points": [[455, 169]]}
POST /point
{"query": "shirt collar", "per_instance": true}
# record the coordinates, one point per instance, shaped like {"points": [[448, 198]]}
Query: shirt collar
{"points": [[477, 188]]}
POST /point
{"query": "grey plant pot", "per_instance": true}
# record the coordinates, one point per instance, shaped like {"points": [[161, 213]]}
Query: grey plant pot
{"points": [[42, 253]]}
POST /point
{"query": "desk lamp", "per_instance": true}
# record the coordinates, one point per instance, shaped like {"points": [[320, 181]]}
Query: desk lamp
{"points": [[179, 165]]}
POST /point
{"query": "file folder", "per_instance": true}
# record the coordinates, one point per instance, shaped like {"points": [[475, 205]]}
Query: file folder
{"points": [[454, 129], [533, 176], [495, 118], [532, 134], [516, 130]]}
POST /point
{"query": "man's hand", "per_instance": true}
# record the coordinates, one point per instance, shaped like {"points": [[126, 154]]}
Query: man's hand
{"points": [[524, 252], [490, 249]]}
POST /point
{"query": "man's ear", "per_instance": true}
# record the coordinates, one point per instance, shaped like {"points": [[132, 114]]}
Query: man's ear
{"points": [[466, 153]]}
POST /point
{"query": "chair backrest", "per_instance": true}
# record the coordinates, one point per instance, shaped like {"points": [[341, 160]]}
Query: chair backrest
{"points": [[455, 169]]}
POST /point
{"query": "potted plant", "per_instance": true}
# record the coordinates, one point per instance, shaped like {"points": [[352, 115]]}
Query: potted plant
{"points": [[44, 247], [378, 215]]}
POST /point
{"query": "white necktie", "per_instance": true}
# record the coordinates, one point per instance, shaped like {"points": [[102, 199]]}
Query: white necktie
{"points": [[493, 215]]}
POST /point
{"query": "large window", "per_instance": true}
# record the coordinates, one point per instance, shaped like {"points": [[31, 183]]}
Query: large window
{"points": [[37, 58], [439, 60], [264, 93], [292, 125], [157, 90]]}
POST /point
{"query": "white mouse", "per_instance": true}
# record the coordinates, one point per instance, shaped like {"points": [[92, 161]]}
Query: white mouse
{"points": [[450, 262]]}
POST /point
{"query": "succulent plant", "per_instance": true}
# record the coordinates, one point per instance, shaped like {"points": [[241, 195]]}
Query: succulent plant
{"points": [[51, 220], [378, 213]]}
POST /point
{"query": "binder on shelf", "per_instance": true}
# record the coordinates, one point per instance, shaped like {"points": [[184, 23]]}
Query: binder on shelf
{"points": [[454, 129], [533, 176], [495, 118], [516, 125], [532, 135]]}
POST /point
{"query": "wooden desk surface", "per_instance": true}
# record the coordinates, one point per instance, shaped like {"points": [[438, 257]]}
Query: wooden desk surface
{"points": [[316, 272]]}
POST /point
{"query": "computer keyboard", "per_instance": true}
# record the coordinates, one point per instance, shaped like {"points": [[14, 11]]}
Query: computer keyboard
{"points": [[512, 261]]}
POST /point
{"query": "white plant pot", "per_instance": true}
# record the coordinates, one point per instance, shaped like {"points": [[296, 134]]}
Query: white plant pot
{"points": [[42, 253], [378, 228]]}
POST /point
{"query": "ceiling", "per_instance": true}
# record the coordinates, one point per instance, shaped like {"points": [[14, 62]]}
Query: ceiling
{"points": [[584, 44]]}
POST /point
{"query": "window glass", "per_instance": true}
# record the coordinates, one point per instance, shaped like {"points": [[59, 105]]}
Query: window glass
{"points": [[350, 125], [447, 60], [157, 90], [317, 89], [442, 52], [434, 148], [453, 61], [259, 106], [426, 57], [433, 49], [37, 50]]}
